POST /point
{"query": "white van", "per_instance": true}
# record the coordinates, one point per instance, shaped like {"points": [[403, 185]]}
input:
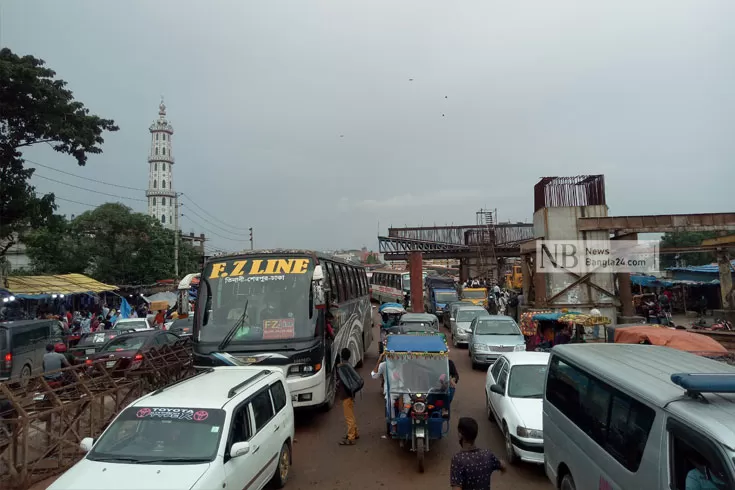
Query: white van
{"points": [[629, 417], [228, 427]]}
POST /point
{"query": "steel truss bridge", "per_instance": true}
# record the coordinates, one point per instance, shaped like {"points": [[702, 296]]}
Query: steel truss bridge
{"points": [[455, 242]]}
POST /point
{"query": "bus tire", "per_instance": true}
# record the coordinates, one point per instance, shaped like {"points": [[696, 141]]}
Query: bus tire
{"points": [[331, 392], [361, 354]]}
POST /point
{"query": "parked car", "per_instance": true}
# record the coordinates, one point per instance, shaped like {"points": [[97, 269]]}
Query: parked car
{"points": [[514, 394], [420, 321], [491, 336], [91, 343], [224, 428], [134, 323], [461, 320], [128, 350]]}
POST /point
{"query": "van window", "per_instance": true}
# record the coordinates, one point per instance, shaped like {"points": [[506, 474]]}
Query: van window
{"points": [[278, 393], [3, 338], [617, 422], [695, 460]]}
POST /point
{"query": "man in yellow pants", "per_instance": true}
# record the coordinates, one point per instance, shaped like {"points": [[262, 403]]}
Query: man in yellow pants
{"points": [[348, 404]]}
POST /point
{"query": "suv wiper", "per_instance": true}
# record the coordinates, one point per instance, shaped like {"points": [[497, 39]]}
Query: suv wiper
{"points": [[116, 459], [234, 329], [174, 460]]}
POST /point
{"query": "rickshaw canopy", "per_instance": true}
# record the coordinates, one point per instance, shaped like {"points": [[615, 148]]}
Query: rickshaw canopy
{"points": [[553, 317], [391, 308], [417, 344]]}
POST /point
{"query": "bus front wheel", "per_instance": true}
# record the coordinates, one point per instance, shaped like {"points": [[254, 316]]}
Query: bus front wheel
{"points": [[331, 391]]}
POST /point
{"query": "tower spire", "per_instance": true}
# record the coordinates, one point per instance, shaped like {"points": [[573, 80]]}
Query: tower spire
{"points": [[162, 198], [162, 109]]}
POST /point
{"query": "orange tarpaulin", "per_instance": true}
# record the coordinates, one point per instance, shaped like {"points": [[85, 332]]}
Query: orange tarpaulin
{"points": [[667, 337]]}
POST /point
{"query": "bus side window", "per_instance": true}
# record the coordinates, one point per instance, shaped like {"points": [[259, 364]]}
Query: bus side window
{"points": [[363, 280], [351, 272], [341, 282], [332, 278]]}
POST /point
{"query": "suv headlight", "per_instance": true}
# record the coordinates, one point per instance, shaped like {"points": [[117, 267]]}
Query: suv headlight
{"points": [[529, 433], [480, 347]]}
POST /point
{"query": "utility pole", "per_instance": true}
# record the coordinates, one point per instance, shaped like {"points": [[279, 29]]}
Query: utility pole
{"points": [[251, 238], [176, 238]]}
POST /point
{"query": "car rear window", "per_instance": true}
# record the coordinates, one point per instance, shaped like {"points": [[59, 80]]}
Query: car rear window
{"points": [[132, 342]]}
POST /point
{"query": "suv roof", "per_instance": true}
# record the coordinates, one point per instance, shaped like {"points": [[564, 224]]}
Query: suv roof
{"points": [[210, 389], [645, 370]]}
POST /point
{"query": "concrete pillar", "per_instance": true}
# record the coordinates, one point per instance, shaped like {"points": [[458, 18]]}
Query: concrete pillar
{"points": [[723, 261], [416, 269], [464, 270], [526, 273], [625, 291]]}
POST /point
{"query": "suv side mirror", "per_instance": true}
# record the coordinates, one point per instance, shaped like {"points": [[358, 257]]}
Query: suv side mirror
{"points": [[86, 444], [496, 388], [239, 449]]}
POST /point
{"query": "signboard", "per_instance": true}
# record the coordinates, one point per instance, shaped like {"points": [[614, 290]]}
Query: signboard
{"points": [[259, 267], [278, 329]]}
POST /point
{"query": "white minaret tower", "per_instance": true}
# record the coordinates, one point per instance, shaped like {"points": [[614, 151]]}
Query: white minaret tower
{"points": [[162, 200]]}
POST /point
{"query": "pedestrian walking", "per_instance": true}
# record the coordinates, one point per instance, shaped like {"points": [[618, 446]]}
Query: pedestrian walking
{"points": [[349, 383], [472, 467]]}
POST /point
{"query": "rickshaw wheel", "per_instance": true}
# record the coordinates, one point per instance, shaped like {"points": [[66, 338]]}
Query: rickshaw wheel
{"points": [[420, 454]]}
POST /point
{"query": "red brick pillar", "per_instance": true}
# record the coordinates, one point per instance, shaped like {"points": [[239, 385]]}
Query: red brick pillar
{"points": [[416, 269]]}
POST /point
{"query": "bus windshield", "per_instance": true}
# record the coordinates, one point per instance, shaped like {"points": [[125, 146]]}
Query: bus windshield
{"points": [[277, 292]]}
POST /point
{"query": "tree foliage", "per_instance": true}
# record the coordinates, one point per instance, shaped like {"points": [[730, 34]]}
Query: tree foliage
{"points": [[37, 108], [111, 243], [686, 239]]}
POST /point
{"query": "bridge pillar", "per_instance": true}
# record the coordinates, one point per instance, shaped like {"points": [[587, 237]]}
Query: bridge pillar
{"points": [[416, 269], [625, 291], [723, 261], [464, 270]]}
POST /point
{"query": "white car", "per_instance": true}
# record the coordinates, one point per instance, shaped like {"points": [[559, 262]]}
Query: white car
{"points": [[136, 324], [225, 428], [514, 388]]}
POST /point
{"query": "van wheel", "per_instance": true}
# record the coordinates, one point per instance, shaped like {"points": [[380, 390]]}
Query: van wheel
{"points": [[510, 452], [567, 483], [284, 467], [25, 375], [490, 415]]}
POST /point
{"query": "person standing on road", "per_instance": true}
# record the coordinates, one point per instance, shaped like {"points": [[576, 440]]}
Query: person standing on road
{"points": [[472, 467], [348, 403]]}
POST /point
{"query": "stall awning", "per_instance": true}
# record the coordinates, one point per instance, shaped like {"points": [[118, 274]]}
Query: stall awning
{"points": [[650, 281], [61, 284]]}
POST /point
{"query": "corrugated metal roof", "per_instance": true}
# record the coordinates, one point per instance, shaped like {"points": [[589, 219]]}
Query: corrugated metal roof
{"points": [[706, 269], [61, 284]]}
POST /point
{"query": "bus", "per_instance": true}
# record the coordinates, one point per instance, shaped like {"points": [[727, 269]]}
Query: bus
{"points": [[392, 286], [272, 308]]}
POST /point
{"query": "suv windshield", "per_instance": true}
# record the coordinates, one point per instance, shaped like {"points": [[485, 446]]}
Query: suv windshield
{"points": [[132, 342], [277, 292], [161, 436], [474, 294], [527, 381], [469, 315], [491, 326]]}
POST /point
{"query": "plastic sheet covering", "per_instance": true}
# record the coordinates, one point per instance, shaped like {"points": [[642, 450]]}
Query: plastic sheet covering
{"points": [[60, 284], [669, 337]]}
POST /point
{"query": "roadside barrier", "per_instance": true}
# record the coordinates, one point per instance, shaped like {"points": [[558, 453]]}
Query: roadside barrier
{"points": [[42, 424]]}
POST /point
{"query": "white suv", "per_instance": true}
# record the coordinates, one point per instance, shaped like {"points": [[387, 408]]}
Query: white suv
{"points": [[225, 428]]}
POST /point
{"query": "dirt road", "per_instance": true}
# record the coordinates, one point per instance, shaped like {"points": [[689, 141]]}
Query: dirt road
{"points": [[376, 463]]}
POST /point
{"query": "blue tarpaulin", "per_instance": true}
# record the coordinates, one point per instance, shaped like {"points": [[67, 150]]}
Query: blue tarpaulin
{"points": [[552, 317], [650, 281], [707, 269], [125, 309], [416, 343]]}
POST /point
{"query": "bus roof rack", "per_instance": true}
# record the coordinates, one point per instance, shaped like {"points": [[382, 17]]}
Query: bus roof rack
{"points": [[233, 391], [696, 384]]}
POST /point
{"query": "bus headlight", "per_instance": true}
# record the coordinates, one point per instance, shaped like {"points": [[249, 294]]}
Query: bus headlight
{"points": [[304, 369]]}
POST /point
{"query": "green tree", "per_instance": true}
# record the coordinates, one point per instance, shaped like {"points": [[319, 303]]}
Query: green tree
{"points": [[111, 243], [372, 259], [36, 108], [686, 239]]}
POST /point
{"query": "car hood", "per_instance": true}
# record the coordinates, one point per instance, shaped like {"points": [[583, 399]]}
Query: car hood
{"points": [[530, 412], [499, 339], [93, 475]]}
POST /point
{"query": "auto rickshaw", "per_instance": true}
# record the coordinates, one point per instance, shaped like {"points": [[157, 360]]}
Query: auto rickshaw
{"points": [[417, 407], [390, 314]]}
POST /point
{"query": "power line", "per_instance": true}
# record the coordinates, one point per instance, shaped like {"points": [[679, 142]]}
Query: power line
{"points": [[214, 224], [84, 177], [212, 232], [90, 190], [211, 215], [38, 194]]}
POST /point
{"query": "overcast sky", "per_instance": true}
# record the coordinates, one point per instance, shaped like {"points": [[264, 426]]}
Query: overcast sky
{"points": [[316, 122]]}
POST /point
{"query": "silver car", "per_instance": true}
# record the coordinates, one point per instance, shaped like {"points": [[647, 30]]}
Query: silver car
{"points": [[460, 323], [491, 336]]}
